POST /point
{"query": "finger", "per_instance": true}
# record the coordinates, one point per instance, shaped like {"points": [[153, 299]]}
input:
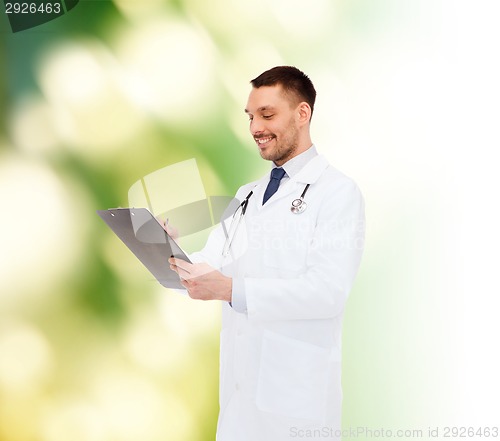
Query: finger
{"points": [[174, 268], [171, 231], [186, 266], [161, 222], [183, 274]]}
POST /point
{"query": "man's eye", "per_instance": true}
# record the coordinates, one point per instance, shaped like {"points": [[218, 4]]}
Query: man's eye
{"points": [[267, 116]]}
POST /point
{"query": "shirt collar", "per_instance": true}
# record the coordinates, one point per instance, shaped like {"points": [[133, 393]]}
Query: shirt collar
{"points": [[297, 163]]}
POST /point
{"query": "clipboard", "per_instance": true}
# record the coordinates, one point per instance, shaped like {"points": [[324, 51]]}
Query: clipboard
{"points": [[141, 232]]}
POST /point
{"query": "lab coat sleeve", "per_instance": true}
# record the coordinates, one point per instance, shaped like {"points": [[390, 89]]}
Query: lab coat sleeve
{"points": [[210, 254], [212, 251], [239, 298], [320, 289]]}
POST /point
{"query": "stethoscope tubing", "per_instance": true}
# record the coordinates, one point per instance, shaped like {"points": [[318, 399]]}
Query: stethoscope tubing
{"points": [[298, 206], [244, 204]]}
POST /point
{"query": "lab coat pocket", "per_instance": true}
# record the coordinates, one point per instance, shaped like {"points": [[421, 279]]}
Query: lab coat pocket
{"points": [[293, 377]]}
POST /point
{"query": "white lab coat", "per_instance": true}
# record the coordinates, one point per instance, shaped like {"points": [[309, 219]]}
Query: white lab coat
{"points": [[280, 362]]}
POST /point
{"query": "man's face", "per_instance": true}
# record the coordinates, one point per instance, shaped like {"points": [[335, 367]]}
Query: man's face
{"points": [[273, 123]]}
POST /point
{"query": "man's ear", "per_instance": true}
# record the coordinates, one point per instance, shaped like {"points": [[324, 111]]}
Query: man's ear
{"points": [[304, 111]]}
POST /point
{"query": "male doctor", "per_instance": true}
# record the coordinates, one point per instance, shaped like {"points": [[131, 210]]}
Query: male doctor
{"points": [[283, 276]]}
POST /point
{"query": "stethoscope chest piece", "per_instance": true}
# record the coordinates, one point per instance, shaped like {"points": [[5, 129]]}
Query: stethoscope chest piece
{"points": [[298, 206]]}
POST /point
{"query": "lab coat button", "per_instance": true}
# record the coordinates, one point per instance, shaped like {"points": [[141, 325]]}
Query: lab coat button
{"points": [[239, 332], [237, 386]]}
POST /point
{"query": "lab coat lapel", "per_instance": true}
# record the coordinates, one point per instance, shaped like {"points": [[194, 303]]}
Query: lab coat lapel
{"points": [[295, 185]]}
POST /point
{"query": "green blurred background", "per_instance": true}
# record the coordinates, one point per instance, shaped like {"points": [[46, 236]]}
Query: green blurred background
{"points": [[91, 349]]}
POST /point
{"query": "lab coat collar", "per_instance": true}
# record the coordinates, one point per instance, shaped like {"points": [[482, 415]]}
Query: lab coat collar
{"points": [[309, 174], [297, 163]]}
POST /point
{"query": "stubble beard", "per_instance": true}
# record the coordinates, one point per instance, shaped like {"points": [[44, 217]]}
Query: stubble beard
{"points": [[282, 154], [285, 149]]}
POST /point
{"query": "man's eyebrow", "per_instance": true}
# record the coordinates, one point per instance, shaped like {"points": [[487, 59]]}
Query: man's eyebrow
{"points": [[261, 109]]}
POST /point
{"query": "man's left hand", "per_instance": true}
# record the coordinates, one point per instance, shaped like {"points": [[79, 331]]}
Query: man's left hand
{"points": [[202, 281]]}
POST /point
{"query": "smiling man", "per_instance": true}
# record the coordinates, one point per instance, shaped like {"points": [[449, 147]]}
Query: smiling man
{"points": [[283, 274], [280, 114]]}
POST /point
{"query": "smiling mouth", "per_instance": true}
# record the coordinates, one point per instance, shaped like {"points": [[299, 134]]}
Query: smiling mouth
{"points": [[263, 141]]}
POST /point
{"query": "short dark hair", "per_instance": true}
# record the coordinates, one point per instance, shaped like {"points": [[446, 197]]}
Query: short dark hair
{"points": [[292, 80]]}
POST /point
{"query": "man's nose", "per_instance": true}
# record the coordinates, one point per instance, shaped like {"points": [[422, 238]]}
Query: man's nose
{"points": [[256, 127]]}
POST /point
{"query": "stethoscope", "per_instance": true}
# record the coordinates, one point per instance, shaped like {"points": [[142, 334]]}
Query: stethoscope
{"points": [[298, 206]]}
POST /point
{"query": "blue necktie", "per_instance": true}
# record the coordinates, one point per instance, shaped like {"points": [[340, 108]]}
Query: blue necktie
{"points": [[276, 176]]}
